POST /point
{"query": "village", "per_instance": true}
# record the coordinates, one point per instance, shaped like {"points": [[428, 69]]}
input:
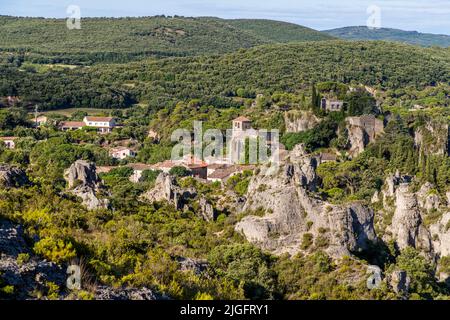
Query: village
{"points": [[210, 169]]}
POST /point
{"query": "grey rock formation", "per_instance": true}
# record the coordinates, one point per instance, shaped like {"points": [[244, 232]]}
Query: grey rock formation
{"points": [[108, 293], [82, 172], [84, 183], [27, 276], [188, 264], [291, 212], [166, 189], [399, 281], [298, 121], [11, 177], [428, 198], [207, 211], [432, 138], [407, 226], [362, 131]]}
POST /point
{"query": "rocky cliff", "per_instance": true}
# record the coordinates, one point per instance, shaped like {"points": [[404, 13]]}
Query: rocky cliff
{"points": [[295, 220], [362, 131], [298, 121], [432, 138]]}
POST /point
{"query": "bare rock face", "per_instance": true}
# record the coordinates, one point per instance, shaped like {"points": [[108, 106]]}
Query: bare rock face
{"points": [[291, 212], [400, 282], [433, 138], [82, 173], [207, 211], [84, 183], [428, 198], [362, 131], [407, 225], [11, 177], [441, 235], [26, 276], [166, 189], [298, 121]]}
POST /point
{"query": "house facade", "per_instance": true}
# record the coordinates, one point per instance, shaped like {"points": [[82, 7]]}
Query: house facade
{"points": [[102, 124], [332, 105], [121, 153], [9, 142]]}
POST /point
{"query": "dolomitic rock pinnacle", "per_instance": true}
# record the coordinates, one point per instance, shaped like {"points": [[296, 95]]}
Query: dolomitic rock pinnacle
{"points": [[291, 211]]}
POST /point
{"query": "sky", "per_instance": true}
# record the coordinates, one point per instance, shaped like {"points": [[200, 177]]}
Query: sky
{"points": [[422, 15]]}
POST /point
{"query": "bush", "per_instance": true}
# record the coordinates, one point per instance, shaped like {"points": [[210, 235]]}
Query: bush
{"points": [[180, 172]]}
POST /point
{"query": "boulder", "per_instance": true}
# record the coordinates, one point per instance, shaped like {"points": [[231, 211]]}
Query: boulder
{"points": [[206, 210], [84, 183], [82, 173], [166, 189]]}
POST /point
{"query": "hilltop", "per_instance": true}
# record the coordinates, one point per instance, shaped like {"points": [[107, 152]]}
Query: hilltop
{"points": [[127, 39], [387, 34]]}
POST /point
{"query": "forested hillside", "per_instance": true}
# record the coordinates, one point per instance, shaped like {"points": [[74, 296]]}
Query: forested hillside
{"points": [[217, 80], [126, 39], [387, 34]]}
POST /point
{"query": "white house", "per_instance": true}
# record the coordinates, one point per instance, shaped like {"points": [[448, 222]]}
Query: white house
{"points": [[121, 153], [103, 124], [9, 142]]}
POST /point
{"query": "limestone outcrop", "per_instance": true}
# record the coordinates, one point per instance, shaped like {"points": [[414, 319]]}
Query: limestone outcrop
{"points": [[298, 121], [432, 138], [167, 189], [84, 183], [11, 177], [29, 275], [362, 131], [293, 213]]}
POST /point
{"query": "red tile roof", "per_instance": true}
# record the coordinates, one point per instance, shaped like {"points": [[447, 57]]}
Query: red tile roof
{"points": [[99, 119], [72, 124], [242, 119]]}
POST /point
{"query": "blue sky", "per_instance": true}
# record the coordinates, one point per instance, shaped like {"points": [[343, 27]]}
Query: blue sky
{"points": [[422, 15]]}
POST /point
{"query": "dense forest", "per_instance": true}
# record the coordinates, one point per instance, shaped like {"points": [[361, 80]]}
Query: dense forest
{"points": [[127, 39], [217, 80]]}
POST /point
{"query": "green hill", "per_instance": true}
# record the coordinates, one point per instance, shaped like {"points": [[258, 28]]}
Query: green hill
{"points": [[410, 37], [127, 39], [279, 32], [215, 80]]}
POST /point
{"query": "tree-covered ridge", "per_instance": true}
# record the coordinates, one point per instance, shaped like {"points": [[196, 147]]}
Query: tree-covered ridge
{"points": [[286, 68], [387, 34], [277, 31], [126, 39], [218, 80]]}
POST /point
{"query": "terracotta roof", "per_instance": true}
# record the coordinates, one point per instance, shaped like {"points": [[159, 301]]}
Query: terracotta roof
{"points": [[99, 119], [217, 166], [224, 173], [119, 148], [328, 157], [140, 166], [242, 119], [72, 124]]}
